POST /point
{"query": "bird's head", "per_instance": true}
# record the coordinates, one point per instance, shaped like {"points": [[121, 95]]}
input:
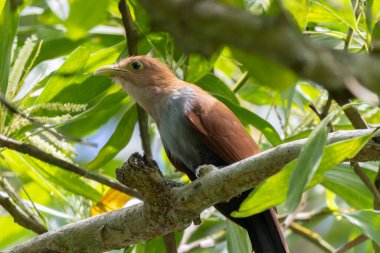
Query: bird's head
{"points": [[139, 71], [144, 78]]}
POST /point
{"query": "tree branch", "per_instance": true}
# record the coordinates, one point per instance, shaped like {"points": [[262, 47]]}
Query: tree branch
{"points": [[271, 37], [20, 217], [131, 35], [35, 152], [126, 226]]}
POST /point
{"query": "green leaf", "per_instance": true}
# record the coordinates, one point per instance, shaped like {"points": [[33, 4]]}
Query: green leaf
{"points": [[216, 87], [199, 66], [118, 140], [85, 14], [8, 26], [66, 75], [110, 103], [266, 72], [236, 3], [258, 94], [248, 117], [332, 11], [24, 165], [307, 163], [15, 233], [299, 9], [273, 191], [104, 57], [343, 181], [67, 180], [372, 10], [368, 221], [237, 239]]}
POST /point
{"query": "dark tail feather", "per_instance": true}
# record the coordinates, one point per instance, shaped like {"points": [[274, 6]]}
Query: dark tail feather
{"points": [[263, 228]]}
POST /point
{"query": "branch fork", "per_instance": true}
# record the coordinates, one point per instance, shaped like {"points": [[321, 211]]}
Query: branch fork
{"points": [[160, 203]]}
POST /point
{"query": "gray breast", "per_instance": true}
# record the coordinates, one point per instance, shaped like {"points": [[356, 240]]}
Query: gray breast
{"points": [[179, 138]]}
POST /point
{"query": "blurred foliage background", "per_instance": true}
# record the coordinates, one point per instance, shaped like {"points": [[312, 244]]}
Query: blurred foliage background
{"points": [[49, 51]]}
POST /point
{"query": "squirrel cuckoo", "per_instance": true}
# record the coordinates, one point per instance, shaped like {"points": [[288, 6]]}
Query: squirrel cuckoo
{"points": [[196, 129]]}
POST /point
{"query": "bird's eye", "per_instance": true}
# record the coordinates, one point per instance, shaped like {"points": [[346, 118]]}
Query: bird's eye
{"points": [[137, 65]]}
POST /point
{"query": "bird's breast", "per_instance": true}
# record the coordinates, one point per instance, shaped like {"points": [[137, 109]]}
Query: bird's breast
{"points": [[178, 137]]}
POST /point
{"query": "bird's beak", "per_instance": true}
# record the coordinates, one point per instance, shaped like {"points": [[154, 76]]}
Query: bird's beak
{"points": [[109, 70]]}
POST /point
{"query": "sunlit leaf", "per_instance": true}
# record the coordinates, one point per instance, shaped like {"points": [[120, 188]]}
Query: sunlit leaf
{"points": [[104, 57], [8, 25], [67, 180], [65, 75], [274, 190], [14, 234], [299, 9], [199, 67], [23, 165], [372, 10], [332, 11]]}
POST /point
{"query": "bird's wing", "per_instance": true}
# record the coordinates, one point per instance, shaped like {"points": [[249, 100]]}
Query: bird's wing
{"points": [[221, 130]]}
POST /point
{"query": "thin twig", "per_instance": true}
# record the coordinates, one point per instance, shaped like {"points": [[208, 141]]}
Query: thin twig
{"points": [[371, 186], [20, 217], [358, 240], [350, 32], [377, 185], [367, 181], [35, 152], [131, 34], [312, 237], [351, 112], [132, 42], [325, 111], [17, 199]]}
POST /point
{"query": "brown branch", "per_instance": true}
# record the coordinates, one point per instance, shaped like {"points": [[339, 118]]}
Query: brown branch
{"points": [[20, 217], [35, 152], [131, 35], [351, 112], [377, 185], [268, 36], [358, 240], [367, 182], [312, 237], [376, 195], [173, 208], [19, 202]]}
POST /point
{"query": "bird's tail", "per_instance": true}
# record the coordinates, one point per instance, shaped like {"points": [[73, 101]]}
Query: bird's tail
{"points": [[263, 228]]}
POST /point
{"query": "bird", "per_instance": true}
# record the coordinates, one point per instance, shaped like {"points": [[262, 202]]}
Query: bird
{"points": [[196, 129]]}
